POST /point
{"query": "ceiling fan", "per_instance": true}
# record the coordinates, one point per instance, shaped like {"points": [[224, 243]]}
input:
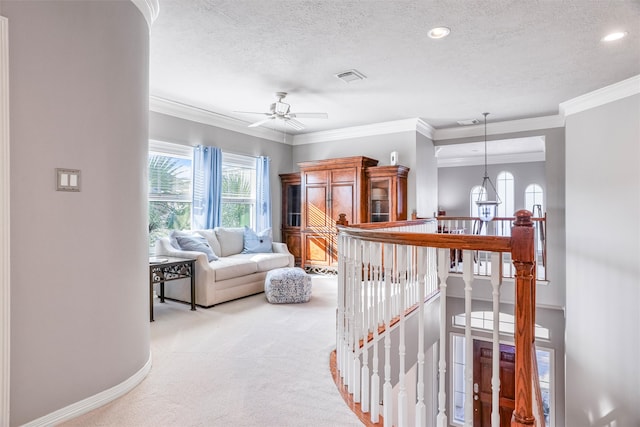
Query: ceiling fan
{"points": [[282, 111]]}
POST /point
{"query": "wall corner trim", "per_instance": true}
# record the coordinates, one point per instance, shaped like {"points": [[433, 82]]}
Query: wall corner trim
{"points": [[82, 407], [605, 95], [5, 227], [149, 8]]}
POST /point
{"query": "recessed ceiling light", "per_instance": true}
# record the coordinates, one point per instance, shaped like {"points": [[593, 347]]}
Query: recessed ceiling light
{"points": [[439, 32], [614, 36]]}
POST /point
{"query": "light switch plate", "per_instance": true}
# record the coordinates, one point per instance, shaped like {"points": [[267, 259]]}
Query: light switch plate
{"points": [[67, 179]]}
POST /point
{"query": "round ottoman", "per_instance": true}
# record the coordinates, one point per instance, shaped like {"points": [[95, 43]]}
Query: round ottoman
{"points": [[287, 285]]}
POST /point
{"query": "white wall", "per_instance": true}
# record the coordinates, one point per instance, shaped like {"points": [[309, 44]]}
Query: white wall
{"points": [[603, 265], [79, 282]]}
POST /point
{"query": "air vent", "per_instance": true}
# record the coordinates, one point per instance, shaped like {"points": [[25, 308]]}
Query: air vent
{"points": [[468, 122], [350, 76]]}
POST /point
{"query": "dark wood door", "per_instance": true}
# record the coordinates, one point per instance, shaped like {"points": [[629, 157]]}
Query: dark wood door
{"points": [[482, 371]]}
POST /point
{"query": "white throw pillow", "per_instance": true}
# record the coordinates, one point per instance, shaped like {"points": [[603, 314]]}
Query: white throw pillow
{"points": [[231, 240]]}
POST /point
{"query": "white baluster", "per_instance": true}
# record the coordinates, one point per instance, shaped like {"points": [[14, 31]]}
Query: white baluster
{"points": [[367, 280], [387, 389], [340, 317], [401, 261], [347, 348], [444, 261], [421, 408], [356, 275], [496, 281], [375, 377], [467, 276]]}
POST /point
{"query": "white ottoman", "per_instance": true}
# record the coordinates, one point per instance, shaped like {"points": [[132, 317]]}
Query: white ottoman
{"points": [[287, 285]]}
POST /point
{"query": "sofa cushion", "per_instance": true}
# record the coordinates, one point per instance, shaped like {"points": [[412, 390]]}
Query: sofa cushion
{"points": [[232, 267], [257, 242], [210, 235], [231, 240], [266, 261], [198, 244]]}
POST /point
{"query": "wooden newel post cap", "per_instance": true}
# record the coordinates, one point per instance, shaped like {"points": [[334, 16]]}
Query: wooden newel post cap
{"points": [[342, 219], [523, 218]]}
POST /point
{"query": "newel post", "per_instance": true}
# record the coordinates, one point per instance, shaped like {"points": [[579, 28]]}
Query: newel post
{"points": [[523, 256]]}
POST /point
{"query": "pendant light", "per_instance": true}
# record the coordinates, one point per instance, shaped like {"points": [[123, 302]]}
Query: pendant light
{"points": [[487, 207]]}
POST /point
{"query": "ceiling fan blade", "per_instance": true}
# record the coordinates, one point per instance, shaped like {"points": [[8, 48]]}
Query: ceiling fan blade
{"points": [[256, 124], [252, 112], [310, 115], [294, 124]]}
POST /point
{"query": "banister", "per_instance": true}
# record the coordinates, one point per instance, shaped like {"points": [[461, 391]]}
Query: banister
{"points": [[520, 245], [453, 241], [524, 261]]}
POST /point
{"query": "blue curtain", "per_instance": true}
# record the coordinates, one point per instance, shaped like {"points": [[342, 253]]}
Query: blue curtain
{"points": [[263, 194], [207, 187]]}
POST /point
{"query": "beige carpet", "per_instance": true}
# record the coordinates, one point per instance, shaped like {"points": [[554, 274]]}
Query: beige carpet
{"points": [[241, 363]]}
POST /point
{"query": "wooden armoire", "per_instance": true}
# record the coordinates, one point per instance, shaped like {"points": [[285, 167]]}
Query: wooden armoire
{"points": [[327, 188]]}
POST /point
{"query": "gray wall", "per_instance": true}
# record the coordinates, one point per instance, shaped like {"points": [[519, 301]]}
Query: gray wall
{"points": [[377, 147], [603, 254], [426, 177], [79, 293], [172, 129]]}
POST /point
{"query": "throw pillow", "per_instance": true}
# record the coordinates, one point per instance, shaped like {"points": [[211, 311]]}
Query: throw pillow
{"points": [[257, 242], [174, 235], [197, 244]]}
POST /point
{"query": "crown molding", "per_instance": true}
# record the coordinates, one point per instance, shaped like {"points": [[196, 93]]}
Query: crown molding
{"points": [[496, 128], [498, 159], [384, 128], [605, 95], [200, 115], [149, 9]]}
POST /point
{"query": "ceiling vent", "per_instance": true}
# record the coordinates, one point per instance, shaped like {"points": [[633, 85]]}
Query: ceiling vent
{"points": [[350, 76], [468, 122]]}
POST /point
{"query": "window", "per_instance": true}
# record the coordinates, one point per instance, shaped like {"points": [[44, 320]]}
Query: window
{"points": [[474, 195], [533, 196], [169, 189], [238, 190], [505, 188]]}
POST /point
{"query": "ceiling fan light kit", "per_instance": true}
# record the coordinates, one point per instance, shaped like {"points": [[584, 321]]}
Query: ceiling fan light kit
{"points": [[282, 111]]}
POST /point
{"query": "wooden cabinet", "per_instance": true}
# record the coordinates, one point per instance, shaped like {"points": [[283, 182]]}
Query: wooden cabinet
{"points": [[387, 193], [292, 214], [324, 189], [329, 188]]}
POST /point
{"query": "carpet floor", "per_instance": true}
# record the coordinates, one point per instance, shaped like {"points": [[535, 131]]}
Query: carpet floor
{"points": [[242, 363]]}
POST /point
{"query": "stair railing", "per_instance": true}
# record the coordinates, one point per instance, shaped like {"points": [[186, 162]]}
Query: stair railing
{"points": [[386, 278]]}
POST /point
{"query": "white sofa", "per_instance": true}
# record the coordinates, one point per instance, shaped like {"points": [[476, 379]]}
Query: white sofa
{"points": [[233, 275]]}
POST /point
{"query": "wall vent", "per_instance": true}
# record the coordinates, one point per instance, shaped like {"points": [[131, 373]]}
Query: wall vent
{"points": [[468, 122], [350, 76]]}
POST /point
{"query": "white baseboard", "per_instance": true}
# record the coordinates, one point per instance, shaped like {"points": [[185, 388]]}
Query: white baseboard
{"points": [[93, 402]]}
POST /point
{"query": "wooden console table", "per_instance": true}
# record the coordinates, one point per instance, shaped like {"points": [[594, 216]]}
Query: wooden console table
{"points": [[166, 269]]}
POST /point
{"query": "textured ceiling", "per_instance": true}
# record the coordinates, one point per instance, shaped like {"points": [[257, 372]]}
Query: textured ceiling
{"points": [[515, 59]]}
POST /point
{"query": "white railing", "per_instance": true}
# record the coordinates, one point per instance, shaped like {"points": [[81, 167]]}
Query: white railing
{"points": [[386, 279]]}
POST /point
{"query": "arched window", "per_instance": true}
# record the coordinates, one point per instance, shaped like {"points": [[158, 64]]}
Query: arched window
{"points": [[473, 197], [534, 196], [505, 187]]}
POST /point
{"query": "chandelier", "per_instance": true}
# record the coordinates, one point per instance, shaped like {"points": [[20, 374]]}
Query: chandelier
{"points": [[487, 207]]}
